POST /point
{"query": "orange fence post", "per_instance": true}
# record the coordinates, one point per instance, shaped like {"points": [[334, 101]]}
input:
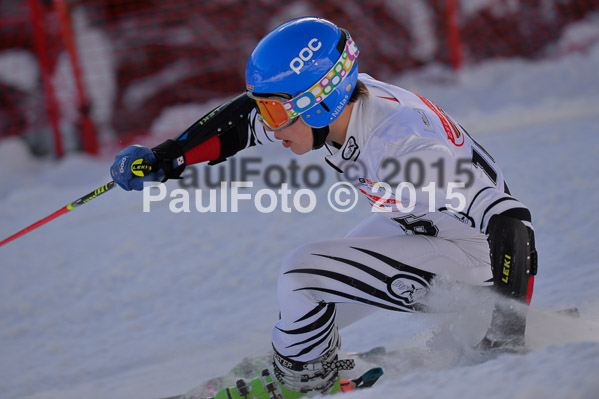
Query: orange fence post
{"points": [[453, 35], [89, 140], [40, 39]]}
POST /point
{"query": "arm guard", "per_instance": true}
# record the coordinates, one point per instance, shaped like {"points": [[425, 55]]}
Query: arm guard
{"points": [[229, 121]]}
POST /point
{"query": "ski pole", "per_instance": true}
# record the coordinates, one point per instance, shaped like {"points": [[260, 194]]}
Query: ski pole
{"points": [[139, 168], [78, 202]]}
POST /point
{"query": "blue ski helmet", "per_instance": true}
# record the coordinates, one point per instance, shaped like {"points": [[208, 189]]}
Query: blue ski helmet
{"points": [[308, 56]]}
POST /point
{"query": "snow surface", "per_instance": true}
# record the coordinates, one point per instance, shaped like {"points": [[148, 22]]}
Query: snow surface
{"points": [[111, 302]]}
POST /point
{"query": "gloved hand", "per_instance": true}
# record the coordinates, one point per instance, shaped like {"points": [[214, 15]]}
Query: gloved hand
{"points": [[128, 179]]}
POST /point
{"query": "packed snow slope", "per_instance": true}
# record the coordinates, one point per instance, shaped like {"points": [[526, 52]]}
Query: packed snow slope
{"points": [[109, 301]]}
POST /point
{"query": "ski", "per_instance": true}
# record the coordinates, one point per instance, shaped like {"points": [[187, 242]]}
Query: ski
{"points": [[249, 366], [366, 380], [266, 386]]}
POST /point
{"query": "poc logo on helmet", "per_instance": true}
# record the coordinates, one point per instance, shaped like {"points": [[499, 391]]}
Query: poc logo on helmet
{"points": [[305, 54]]}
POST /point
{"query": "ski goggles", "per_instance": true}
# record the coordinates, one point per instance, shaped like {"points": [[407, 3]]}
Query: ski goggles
{"points": [[277, 111]]}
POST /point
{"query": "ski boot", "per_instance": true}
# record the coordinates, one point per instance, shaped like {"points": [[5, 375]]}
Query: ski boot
{"points": [[293, 379], [264, 387]]}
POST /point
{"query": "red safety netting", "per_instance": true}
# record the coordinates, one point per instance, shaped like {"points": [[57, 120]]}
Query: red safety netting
{"points": [[137, 58]]}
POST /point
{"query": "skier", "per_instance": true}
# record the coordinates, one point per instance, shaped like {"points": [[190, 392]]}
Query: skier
{"points": [[302, 84]]}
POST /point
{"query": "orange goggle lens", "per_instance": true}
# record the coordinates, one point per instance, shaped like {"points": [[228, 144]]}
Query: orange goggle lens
{"points": [[273, 113]]}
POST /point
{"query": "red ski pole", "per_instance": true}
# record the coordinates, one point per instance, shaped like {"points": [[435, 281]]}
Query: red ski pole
{"points": [[139, 167], [78, 202]]}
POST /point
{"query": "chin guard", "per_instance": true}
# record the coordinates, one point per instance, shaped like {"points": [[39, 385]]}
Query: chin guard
{"points": [[320, 136]]}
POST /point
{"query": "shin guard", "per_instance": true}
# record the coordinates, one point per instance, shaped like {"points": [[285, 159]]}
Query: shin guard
{"points": [[513, 257], [514, 265]]}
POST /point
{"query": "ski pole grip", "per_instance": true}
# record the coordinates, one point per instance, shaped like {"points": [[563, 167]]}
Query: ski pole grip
{"points": [[141, 167]]}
